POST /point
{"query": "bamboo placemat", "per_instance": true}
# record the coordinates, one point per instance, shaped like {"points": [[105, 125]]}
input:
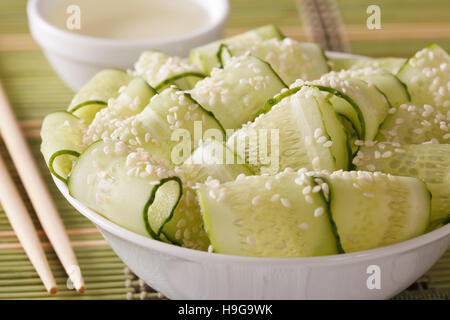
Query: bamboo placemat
{"points": [[35, 90]]}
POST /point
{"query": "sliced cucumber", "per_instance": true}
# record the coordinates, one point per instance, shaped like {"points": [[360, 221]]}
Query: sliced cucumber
{"points": [[374, 210], [409, 124], [214, 159], [427, 75], [88, 109], [61, 135], [104, 85], [372, 104], [346, 107], [392, 65], [291, 59], [305, 125], [160, 207], [267, 216], [205, 57], [118, 185], [428, 162], [131, 100], [161, 70], [173, 123], [206, 164], [236, 93], [395, 91], [178, 80]]}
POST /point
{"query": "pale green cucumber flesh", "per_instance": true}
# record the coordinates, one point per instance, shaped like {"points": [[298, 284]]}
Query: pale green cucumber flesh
{"points": [[371, 212], [249, 223], [61, 135], [205, 56], [428, 162], [104, 85]]}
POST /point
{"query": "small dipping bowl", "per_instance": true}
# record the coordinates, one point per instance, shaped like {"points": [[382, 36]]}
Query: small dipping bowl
{"points": [[76, 58]]}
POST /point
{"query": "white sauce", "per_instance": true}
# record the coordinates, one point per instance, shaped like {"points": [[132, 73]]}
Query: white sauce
{"points": [[131, 19]]}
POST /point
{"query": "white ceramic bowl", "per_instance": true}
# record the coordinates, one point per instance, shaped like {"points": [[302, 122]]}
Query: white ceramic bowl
{"points": [[76, 58], [181, 273]]}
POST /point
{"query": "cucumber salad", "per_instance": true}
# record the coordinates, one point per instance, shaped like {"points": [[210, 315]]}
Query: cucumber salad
{"points": [[260, 145]]}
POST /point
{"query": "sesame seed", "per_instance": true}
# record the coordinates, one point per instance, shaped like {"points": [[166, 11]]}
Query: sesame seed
{"points": [[325, 188], [268, 185], [315, 161], [316, 189], [368, 195], [318, 212], [357, 186], [285, 202], [318, 133], [328, 144], [275, 197], [250, 241], [255, 200], [392, 110], [306, 190], [303, 226], [321, 140]]}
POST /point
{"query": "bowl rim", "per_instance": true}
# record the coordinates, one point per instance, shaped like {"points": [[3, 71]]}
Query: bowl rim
{"points": [[34, 13], [197, 255]]}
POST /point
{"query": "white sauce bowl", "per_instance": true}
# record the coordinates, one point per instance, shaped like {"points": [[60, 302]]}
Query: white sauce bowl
{"points": [[76, 58]]}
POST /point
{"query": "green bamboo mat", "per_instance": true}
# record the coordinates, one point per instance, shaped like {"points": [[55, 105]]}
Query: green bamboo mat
{"points": [[35, 90]]}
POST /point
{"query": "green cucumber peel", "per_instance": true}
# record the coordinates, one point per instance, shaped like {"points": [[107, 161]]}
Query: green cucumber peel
{"points": [[163, 84], [157, 234], [222, 48], [349, 100], [275, 100], [328, 199], [57, 154], [87, 103], [209, 113], [273, 71]]}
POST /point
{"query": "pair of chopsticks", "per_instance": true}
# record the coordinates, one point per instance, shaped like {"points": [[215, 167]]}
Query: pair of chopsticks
{"points": [[41, 201]]}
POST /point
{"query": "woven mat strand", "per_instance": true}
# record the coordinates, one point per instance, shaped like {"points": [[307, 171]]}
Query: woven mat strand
{"points": [[35, 90]]}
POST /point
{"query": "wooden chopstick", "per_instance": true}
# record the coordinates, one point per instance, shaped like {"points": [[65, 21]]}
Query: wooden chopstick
{"points": [[23, 225], [37, 191]]}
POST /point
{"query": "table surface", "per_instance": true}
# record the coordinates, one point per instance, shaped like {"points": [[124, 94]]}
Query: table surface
{"points": [[35, 90]]}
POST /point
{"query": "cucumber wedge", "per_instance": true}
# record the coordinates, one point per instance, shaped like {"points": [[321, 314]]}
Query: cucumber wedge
{"points": [[427, 75], [410, 124], [392, 65], [428, 162], [173, 123], [291, 59], [374, 210], [205, 57], [120, 185], [372, 104], [207, 163], [61, 135], [131, 100], [88, 109], [161, 70], [267, 216], [104, 85], [214, 159], [293, 134], [236, 93], [394, 90]]}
